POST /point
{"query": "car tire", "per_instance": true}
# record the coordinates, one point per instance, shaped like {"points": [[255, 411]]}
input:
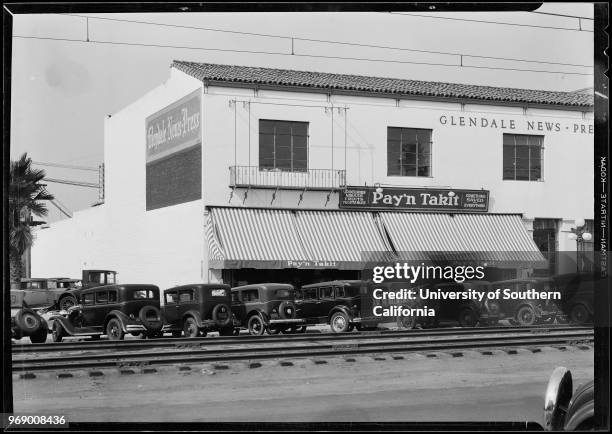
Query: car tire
{"points": [[339, 322], [58, 333], [256, 325], [406, 322], [114, 331], [66, 302], [525, 316], [150, 317], [28, 321], [190, 328], [579, 314], [40, 337], [467, 318], [220, 310]]}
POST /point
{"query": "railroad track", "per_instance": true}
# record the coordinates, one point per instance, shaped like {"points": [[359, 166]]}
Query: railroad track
{"points": [[235, 340], [337, 345]]}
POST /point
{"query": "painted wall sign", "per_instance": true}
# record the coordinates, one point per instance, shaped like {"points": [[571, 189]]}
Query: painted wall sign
{"points": [[415, 199], [514, 124], [174, 128]]}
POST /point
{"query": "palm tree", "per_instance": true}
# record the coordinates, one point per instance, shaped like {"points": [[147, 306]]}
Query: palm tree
{"points": [[26, 194]]}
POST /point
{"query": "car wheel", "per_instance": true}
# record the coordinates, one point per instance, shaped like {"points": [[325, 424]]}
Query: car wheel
{"points": [[177, 333], [467, 318], [339, 322], [525, 316], [579, 314], [66, 302], [256, 325], [28, 321], [150, 317], [40, 337], [406, 322], [222, 315], [191, 329], [57, 334], [114, 330]]}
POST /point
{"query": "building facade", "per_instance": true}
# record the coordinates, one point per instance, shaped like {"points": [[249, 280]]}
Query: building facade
{"points": [[243, 175]]}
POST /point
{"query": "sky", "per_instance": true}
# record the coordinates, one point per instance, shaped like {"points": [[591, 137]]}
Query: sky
{"points": [[62, 90]]}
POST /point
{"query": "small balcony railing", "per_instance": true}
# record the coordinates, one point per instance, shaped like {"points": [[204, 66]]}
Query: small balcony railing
{"points": [[311, 179]]}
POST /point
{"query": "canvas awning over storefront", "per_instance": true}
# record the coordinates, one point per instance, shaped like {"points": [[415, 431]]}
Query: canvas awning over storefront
{"points": [[500, 240], [330, 239], [264, 238]]}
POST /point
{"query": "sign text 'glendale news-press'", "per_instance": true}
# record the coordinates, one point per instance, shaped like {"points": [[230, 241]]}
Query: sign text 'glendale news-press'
{"points": [[415, 199]]}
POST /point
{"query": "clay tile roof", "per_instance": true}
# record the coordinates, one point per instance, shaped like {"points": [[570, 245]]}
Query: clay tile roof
{"points": [[379, 85]]}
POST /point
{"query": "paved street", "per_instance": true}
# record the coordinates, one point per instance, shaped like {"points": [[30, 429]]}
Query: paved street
{"points": [[475, 387]]}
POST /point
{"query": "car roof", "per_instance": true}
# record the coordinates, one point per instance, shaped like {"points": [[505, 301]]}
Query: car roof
{"points": [[120, 287], [264, 286], [199, 286], [335, 283]]}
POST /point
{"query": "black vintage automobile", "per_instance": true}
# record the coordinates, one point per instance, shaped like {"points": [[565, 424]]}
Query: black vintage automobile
{"points": [[197, 309], [26, 322], [525, 312], [90, 279], [577, 294], [464, 312], [112, 310], [566, 409], [337, 303], [266, 307]]}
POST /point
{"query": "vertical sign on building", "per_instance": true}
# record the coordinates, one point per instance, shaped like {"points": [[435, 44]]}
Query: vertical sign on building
{"points": [[174, 153]]}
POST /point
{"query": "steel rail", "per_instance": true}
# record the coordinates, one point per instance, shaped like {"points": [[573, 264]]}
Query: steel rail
{"points": [[318, 349], [224, 340]]}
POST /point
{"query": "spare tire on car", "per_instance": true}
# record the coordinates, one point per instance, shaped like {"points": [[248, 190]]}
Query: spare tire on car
{"points": [[222, 315], [28, 321], [286, 310], [150, 317]]}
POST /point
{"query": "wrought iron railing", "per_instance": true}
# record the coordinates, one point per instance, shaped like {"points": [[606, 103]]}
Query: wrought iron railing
{"points": [[311, 179]]}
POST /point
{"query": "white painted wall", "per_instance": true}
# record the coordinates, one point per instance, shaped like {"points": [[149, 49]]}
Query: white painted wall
{"points": [[167, 246]]}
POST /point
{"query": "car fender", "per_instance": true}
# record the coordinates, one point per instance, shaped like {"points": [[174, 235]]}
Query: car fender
{"points": [[340, 308], [64, 323], [586, 303], [259, 312], [194, 314], [123, 319]]}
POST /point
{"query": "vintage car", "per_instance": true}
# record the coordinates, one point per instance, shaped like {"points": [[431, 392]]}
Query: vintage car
{"points": [[266, 307], [525, 312], [337, 303], [566, 409], [90, 279], [38, 292], [25, 321], [577, 291], [197, 309], [112, 310], [467, 313]]}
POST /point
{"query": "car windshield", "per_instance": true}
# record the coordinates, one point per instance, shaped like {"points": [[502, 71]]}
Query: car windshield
{"points": [[143, 294]]}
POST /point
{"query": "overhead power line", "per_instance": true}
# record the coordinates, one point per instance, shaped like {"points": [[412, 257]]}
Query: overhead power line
{"points": [[579, 29], [70, 182], [561, 15], [325, 41], [62, 208], [456, 65], [66, 166]]}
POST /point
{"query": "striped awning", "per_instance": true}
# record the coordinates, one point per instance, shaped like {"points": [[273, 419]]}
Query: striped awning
{"points": [[348, 240], [254, 238], [498, 240]]}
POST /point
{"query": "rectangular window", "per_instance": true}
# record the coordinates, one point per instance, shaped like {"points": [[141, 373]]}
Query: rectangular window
{"points": [[186, 296], [112, 296], [283, 145], [250, 295], [310, 293], [326, 292], [101, 297], [88, 299], [523, 157], [408, 152]]}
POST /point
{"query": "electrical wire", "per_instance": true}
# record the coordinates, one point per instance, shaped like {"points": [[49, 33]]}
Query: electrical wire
{"points": [[325, 41], [297, 55], [489, 22], [66, 166]]}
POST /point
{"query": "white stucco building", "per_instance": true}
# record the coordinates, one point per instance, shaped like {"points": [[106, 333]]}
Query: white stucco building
{"points": [[240, 174]]}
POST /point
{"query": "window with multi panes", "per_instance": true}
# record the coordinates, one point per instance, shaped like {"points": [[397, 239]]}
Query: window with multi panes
{"points": [[283, 145], [408, 152], [523, 157]]}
